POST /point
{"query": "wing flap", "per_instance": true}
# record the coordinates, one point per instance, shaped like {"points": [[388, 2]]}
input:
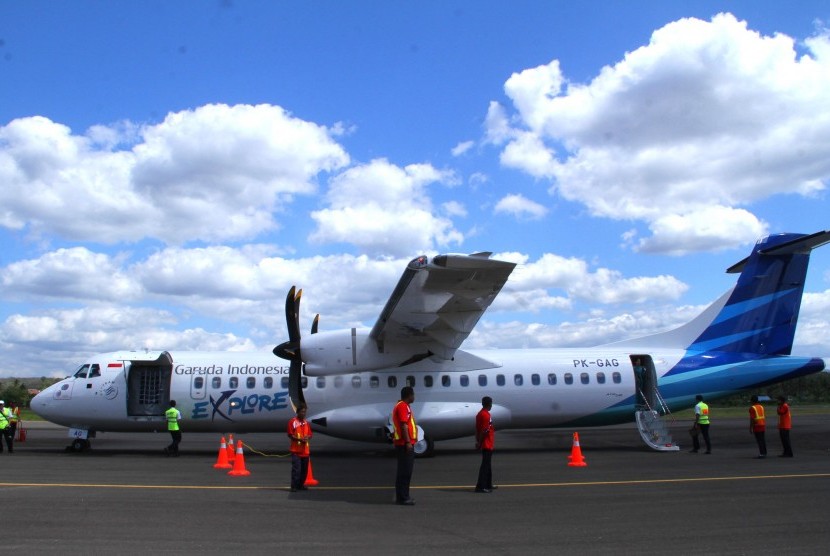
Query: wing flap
{"points": [[438, 302]]}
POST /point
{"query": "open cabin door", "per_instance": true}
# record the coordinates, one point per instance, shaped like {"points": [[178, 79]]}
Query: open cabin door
{"points": [[148, 385], [650, 409]]}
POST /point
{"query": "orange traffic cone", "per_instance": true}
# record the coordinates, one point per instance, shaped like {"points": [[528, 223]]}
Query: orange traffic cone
{"points": [[222, 459], [231, 451], [239, 463], [576, 459], [309, 479]]}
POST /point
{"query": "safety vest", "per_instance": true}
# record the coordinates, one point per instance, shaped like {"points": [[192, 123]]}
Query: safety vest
{"points": [[299, 429], [172, 415], [4, 418], [398, 439], [704, 414], [15, 415], [758, 420]]}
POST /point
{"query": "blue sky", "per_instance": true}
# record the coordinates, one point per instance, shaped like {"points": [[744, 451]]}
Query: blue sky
{"points": [[169, 169]]}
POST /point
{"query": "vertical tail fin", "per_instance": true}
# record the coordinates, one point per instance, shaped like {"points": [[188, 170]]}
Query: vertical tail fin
{"points": [[761, 312]]}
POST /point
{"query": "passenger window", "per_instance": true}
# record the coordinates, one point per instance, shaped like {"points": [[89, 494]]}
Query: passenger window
{"points": [[284, 382], [500, 380], [303, 383], [392, 381], [535, 380], [584, 378], [338, 381], [268, 382], [198, 382], [250, 382], [233, 382], [355, 382], [518, 380], [569, 378], [95, 370], [428, 381], [374, 382], [410, 381], [551, 378], [321, 382], [600, 378], [465, 380], [482, 380], [216, 382], [616, 377], [82, 371], [446, 381]]}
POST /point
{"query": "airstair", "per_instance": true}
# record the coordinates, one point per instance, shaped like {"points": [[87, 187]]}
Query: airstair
{"points": [[651, 422]]}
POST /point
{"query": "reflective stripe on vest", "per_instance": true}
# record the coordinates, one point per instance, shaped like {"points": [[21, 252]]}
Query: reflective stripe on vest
{"points": [[704, 414]]}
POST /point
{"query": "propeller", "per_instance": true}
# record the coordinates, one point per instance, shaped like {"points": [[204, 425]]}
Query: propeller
{"points": [[290, 350]]}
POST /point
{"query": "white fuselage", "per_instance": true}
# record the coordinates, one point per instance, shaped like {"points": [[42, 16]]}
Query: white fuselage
{"points": [[247, 392]]}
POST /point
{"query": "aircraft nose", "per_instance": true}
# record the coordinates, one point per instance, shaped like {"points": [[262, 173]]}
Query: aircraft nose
{"points": [[42, 403]]}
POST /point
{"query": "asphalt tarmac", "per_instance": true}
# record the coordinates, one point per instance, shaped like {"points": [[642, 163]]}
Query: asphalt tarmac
{"points": [[125, 497]]}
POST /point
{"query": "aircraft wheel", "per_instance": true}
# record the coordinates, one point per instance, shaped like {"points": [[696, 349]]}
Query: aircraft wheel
{"points": [[80, 445], [425, 448]]}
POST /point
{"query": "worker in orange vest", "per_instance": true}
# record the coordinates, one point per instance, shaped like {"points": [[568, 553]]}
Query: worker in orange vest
{"points": [[299, 432], [785, 423], [758, 426]]}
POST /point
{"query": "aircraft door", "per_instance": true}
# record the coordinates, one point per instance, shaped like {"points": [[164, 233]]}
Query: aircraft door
{"points": [[148, 386], [645, 380]]}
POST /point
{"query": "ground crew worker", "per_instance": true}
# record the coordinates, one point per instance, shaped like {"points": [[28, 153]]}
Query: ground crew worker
{"points": [[485, 441], [173, 417], [5, 427], [14, 418], [299, 431], [758, 426], [701, 425], [785, 423], [404, 439]]}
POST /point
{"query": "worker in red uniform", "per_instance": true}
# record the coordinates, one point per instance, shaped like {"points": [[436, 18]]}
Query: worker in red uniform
{"points": [[758, 426], [404, 439], [785, 423], [485, 441], [299, 433]]}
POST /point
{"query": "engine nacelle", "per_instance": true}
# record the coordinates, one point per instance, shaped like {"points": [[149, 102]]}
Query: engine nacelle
{"points": [[349, 351]]}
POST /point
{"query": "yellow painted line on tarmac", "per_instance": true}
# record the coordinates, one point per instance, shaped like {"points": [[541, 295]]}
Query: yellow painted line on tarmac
{"points": [[427, 487]]}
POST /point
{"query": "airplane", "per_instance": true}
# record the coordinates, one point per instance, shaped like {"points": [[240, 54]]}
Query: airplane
{"points": [[351, 378]]}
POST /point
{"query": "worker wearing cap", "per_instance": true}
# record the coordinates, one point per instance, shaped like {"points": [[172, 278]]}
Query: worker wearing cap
{"points": [[6, 427]]}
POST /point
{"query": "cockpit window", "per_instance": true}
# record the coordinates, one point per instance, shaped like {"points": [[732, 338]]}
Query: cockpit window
{"points": [[95, 370], [81, 373]]}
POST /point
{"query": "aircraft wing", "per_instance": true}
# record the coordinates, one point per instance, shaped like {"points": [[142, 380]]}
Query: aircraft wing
{"points": [[438, 302]]}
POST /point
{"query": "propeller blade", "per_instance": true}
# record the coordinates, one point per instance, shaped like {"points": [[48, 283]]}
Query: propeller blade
{"points": [[315, 324], [295, 387]]}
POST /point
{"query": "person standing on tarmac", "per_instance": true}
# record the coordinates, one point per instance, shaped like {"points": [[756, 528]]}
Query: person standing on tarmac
{"points": [[299, 431], [701, 425], [173, 417], [406, 435], [6, 427], [785, 423], [758, 426], [14, 417], [485, 441]]}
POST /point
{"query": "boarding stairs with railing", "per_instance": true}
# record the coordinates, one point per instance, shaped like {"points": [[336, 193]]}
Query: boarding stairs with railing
{"points": [[651, 422]]}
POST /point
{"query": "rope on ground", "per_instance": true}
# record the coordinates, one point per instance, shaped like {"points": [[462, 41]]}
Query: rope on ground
{"points": [[263, 454]]}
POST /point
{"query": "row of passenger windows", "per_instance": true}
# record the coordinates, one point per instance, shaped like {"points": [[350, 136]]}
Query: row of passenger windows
{"points": [[428, 380]]}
